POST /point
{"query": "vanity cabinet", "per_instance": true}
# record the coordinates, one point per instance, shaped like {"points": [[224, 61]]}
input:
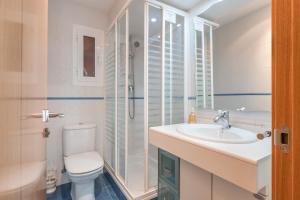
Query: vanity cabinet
{"points": [[179, 179]]}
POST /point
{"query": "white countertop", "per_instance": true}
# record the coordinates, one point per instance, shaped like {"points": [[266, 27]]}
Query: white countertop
{"points": [[252, 152], [246, 165]]}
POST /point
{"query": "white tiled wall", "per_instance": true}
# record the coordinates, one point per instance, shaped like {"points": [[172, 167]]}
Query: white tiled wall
{"points": [[255, 121], [242, 61], [62, 15]]}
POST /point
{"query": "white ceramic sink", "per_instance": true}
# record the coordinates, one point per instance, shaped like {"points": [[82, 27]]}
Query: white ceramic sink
{"points": [[215, 133]]}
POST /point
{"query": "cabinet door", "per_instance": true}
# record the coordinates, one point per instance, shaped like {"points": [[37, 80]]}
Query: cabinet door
{"points": [[195, 183], [168, 176], [168, 168], [224, 190], [166, 191]]}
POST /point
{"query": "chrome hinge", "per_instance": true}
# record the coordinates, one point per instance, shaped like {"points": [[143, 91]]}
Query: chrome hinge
{"points": [[282, 139]]}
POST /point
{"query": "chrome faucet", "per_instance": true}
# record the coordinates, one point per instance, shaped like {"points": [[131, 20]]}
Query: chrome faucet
{"points": [[223, 118]]}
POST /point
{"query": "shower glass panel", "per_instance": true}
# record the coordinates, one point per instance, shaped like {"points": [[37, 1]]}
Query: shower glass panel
{"points": [[136, 166], [121, 97], [174, 71], [110, 67], [154, 85]]}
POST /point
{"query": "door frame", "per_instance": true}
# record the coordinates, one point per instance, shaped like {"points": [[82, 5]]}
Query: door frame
{"points": [[286, 98]]}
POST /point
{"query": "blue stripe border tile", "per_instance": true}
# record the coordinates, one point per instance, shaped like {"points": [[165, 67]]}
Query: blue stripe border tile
{"points": [[75, 98], [142, 98], [243, 94]]}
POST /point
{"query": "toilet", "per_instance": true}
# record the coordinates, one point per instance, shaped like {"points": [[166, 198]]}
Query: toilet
{"points": [[83, 164]]}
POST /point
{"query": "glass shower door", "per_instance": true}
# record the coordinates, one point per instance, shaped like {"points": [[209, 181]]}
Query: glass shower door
{"points": [[121, 97], [174, 71], [154, 85], [136, 129], [110, 100], [166, 72]]}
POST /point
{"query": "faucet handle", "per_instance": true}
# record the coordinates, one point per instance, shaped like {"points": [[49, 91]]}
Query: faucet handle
{"points": [[223, 112]]}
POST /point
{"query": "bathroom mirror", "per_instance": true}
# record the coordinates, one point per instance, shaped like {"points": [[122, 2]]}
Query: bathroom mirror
{"points": [[233, 55]]}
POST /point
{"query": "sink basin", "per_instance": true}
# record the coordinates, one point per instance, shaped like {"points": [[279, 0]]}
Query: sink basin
{"points": [[215, 133]]}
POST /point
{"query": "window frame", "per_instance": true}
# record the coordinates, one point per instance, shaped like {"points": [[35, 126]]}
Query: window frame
{"points": [[79, 32]]}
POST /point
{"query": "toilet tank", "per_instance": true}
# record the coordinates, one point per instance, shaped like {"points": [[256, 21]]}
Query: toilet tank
{"points": [[79, 138]]}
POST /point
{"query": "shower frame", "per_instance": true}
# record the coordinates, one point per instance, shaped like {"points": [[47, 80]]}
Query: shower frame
{"points": [[122, 182]]}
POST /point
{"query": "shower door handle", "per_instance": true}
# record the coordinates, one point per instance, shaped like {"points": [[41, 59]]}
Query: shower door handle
{"points": [[45, 115]]}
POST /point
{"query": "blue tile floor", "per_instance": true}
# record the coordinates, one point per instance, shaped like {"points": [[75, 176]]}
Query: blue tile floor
{"points": [[105, 189]]}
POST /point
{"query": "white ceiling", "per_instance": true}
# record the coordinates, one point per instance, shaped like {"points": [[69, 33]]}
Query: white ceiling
{"points": [[221, 13], [103, 5], [229, 10], [183, 4]]}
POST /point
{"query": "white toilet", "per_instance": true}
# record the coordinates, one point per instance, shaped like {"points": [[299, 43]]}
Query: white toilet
{"points": [[82, 162]]}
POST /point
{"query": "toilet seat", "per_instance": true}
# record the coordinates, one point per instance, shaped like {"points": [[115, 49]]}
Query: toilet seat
{"points": [[83, 163], [88, 174]]}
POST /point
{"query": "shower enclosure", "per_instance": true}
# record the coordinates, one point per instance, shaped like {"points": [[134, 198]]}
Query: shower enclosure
{"points": [[145, 70]]}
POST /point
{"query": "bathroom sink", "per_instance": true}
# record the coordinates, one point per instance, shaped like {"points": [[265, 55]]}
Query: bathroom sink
{"points": [[215, 133]]}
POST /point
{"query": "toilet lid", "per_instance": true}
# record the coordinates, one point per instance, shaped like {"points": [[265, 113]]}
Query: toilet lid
{"points": [[83, 162]]}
